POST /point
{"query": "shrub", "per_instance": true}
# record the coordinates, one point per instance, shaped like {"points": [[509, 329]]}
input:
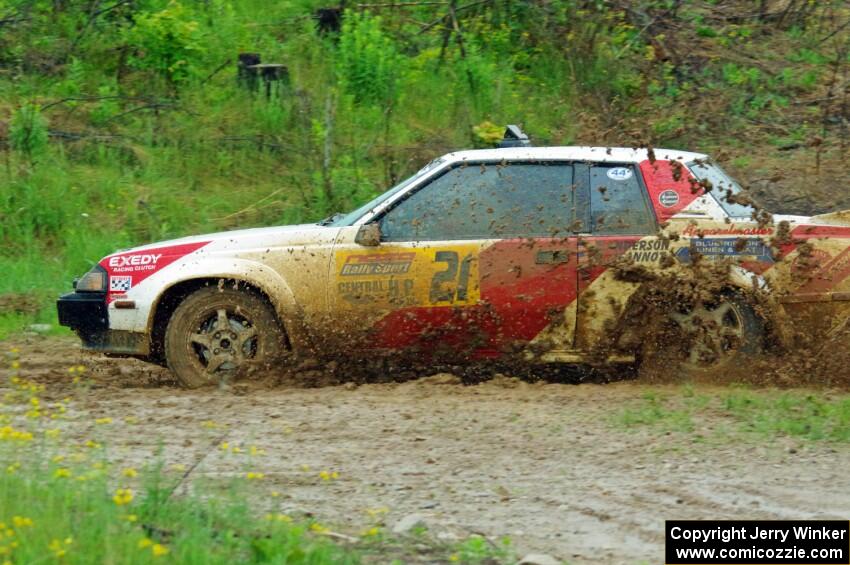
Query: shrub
{"points": [[28, 130], [167, 42], [368, 64]]}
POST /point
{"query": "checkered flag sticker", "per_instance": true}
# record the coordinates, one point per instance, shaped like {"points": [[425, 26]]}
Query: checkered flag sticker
{"points": [[120, 284]]}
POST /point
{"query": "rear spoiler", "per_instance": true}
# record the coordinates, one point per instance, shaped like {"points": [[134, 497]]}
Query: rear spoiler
{"points": [[841, 218]]}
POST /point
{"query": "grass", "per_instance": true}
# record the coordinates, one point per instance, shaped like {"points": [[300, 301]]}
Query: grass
{"points": [[805, 415], [62, 500]]}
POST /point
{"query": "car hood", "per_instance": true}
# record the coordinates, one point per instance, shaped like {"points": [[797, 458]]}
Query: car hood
{"points": [[249, 238]]}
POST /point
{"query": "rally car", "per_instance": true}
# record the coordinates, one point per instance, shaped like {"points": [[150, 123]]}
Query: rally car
{"points": [[519, 253]]}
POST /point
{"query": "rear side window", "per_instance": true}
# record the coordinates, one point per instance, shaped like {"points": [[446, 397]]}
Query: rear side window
{"points": [[486, 201], [723, 188], [618, 204]]}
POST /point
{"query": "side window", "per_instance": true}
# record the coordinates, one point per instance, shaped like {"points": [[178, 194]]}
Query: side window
{"points": [[486, 201], [618, 205]]}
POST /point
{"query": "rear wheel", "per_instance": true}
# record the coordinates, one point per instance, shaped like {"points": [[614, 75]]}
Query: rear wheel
{"points": [[705, 337], [216, 331]]}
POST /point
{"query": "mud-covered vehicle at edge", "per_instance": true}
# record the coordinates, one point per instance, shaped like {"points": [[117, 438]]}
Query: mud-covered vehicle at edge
{"points": [[519, 254]]}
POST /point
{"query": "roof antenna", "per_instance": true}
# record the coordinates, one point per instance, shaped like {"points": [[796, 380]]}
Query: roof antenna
{"points": [[514, 137]]}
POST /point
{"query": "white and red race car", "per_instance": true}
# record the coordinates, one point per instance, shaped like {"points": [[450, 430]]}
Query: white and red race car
{"points": [[536, 254]]}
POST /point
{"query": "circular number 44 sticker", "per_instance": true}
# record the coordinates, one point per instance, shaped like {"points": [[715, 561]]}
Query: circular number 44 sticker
{"points": [[619, 173], [668, 198]]}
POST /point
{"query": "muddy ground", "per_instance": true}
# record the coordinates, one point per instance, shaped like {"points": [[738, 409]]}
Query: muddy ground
{"points": [[545, 464]]}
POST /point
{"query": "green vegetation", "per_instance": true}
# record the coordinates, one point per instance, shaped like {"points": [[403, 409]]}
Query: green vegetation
{"points": [[64, 500], [124, 122], [807, 416]]}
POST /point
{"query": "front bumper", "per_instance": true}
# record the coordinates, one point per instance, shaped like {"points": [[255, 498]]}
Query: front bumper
{"points": [[83, 312], [86, 313]]}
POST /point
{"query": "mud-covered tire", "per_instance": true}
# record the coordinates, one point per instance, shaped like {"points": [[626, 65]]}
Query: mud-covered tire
{"points": [[713, 337], [217, 331]]}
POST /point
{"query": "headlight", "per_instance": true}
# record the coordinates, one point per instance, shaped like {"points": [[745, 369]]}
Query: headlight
{"points": [[93, 281]]}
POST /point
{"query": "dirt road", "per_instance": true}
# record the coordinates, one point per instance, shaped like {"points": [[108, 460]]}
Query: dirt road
{"points": [[545, 464]]}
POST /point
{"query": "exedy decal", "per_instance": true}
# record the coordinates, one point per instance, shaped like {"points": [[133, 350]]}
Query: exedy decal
{"points": [[127, 270], [139, 262]]}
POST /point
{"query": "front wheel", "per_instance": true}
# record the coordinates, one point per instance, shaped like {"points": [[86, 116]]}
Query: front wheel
{"points": [[216, 331]]}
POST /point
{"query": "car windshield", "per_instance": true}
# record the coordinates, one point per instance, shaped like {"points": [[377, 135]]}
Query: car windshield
{"points": [[351, 217], [723, 188]]}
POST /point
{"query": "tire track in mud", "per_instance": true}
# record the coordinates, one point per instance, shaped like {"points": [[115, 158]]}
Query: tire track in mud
{"points": [[542, 463]]}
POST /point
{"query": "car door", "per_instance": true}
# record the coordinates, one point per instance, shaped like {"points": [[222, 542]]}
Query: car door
{"points": [[622, 223], [473, 263]]}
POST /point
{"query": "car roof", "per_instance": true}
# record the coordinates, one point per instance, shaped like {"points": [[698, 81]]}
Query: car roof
{"points": [[574, 153]]}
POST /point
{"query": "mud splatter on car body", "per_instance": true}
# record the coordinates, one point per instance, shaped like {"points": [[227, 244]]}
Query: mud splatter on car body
{"points": [[522, 255]]}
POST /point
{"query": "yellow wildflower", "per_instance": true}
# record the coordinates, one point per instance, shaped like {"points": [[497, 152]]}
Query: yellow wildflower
{"points": [[373, 531], [62, 472], [377, 512], [224, 446], [59, 548], [159, 550], [278, 518], [318, 528], [144, 543], [91, 444], [100, 421], [328, 475], [131, 518], [123, 496], [129, 472], [251, 476], [22, 522], [11, 434]]}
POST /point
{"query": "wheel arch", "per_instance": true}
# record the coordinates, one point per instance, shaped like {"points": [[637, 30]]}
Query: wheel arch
{"points": [[269, 286], [739, 280]]}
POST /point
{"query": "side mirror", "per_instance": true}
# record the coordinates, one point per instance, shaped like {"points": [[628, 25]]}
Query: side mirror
{"points": [[369, 235]]}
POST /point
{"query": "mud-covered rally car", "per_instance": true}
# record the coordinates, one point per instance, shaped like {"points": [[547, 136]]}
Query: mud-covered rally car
{"points": [[516, 254]]}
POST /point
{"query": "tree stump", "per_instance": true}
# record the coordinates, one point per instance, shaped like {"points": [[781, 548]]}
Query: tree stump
{"points": [[251, 73], [328, 20]]}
